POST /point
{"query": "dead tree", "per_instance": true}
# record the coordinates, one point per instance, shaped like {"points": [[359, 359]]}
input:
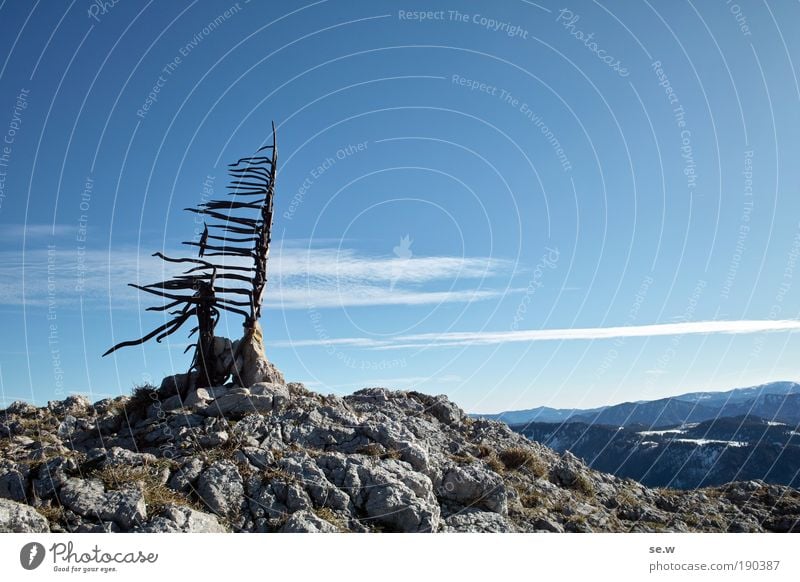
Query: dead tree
{"points": [[238, 232]]}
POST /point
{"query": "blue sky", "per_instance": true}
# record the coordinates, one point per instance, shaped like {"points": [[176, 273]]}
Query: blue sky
{"points": [[515, 204]]}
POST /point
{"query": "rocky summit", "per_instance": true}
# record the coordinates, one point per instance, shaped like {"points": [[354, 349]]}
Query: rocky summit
{"points": [[276, 457]]}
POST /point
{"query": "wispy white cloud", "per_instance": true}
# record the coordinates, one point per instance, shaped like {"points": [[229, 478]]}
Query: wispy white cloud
{"points": [[331, 277], [482, 338], [347, 265], [298, 278], [64, 275], [361, 295], [35, 231]]}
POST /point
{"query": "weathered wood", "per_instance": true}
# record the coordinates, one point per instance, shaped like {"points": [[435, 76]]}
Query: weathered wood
{"points": [[253, 177], [206, 320]]}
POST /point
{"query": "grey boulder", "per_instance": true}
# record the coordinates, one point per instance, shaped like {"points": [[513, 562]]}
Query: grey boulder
{"points": [[307, 522], [475, 486], [476, 521], [221, 488], [18, 518], [89, 499], [235, 405], [178, 518]]}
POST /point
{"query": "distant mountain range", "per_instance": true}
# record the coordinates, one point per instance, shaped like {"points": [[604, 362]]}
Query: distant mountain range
{"points": [[693, 440], [704, 454], [776, 401]]}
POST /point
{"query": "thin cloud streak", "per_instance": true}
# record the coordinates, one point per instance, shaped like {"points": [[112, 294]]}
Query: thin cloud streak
{"points": [[482, 338], [299, 278], [346, 264], [35, 231], [369, 295]]}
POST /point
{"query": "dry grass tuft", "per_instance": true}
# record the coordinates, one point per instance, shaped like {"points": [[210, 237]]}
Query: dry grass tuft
{"points": [[517, 458], [156, 494]]}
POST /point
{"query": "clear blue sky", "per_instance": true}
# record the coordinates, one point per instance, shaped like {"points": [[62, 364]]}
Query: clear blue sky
{"points": [[515, 204]]}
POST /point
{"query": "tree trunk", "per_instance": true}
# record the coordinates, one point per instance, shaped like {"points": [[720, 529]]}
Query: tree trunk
{"points": [[252, 365], [204, 356]]}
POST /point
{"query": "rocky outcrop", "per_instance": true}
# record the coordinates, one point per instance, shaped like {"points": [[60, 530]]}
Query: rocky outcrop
{"points": [[275, 457]]}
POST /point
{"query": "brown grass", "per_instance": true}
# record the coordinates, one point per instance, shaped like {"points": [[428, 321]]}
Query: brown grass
{"points": [[52, 513], [530, 500], [224, 452], [371, 450], [276, 474], [156, 494], [328, 515], [495, 464], [461, 459], [584, 485], [376, 450], [516, 458], [141, 398]]}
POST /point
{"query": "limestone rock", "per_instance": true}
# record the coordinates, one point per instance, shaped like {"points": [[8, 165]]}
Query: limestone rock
{"points": [[307, 522], [388, 491], [52, 475], [475, 486], [279, 394], [185, 477], [83, 496], [476, 521], [214, 439], [13, 481], [238, 405], [117, 456], [221, 488], [19, 518], [547, 525], [199, 398], [179, 518], [21, 408], [88, 498], [74, 404], [67, 427]]}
